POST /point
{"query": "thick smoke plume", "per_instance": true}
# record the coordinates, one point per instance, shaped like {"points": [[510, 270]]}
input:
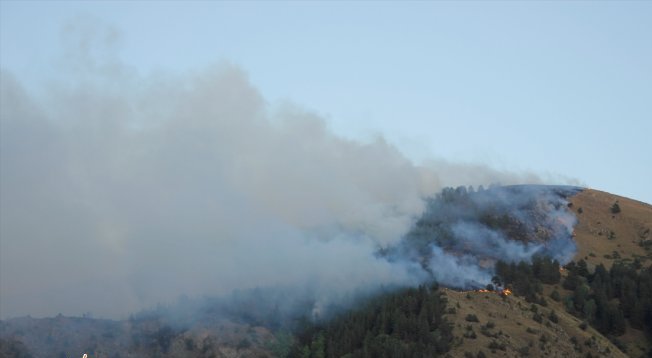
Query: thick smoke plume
{"points": [[119, 191]]}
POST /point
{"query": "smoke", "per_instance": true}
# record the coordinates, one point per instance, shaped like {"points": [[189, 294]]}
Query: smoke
{"points": [[462, 234], [120, 191]]}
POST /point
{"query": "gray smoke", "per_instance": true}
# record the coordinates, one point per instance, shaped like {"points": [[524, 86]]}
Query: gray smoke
{"points": [[462, 234], [119, 191]]}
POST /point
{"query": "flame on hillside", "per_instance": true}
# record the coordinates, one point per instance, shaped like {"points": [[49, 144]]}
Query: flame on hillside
{"points": [[502, 292]]}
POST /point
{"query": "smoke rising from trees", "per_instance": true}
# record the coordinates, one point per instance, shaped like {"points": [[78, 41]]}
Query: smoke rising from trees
{"points": [[119, 191]]}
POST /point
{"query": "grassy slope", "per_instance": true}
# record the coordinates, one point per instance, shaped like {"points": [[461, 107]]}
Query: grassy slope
{"points": [[516, 329], [512, 315], [596, 222]]}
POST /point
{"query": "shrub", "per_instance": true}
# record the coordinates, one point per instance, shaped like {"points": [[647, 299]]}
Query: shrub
{"points": [[495, 345], [618, 343], [244, 343], [190, 344], [543, 338], [537, 318], [542, 301], [472, 318], [282, 345], [534, 308], [485, 332], [615, 208]]}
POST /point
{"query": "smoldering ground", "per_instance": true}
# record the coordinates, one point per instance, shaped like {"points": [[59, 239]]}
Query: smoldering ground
{"points": [[119, 191], [462, 234]]}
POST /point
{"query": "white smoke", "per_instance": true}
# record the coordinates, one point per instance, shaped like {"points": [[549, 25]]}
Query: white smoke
{"points": [[119, 191], [461, 235]]}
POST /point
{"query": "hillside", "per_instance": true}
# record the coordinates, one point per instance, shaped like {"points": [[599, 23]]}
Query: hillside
{"points": [[602, 237], [509, 324], [144, 337], [546, 315]]}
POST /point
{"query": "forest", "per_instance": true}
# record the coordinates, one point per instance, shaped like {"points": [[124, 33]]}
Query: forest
{"points": [[406, 323], [607, 299]]}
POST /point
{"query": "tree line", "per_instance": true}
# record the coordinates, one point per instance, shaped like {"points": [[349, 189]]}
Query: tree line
{"points": [[407, 323], [608, 298]]}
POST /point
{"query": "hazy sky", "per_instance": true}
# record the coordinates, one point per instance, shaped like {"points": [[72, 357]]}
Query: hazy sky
{"points": [[562, 88]]}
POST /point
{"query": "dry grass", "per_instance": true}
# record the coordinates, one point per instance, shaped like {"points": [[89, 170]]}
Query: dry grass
{"points": [[599, 233], [514, 326]]}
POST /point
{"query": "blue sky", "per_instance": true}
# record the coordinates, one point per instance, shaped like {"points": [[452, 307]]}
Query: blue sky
{"points": [[560, 88]]}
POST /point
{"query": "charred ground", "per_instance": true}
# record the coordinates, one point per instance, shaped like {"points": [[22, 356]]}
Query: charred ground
{"points": [[463, 233]]}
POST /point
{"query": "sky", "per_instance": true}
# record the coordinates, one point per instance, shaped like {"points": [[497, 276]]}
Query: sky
{"points": [[558, 88], [152, 149]]}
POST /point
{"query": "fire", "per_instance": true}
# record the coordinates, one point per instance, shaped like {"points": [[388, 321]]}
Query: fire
{"points": [[504, 292]]}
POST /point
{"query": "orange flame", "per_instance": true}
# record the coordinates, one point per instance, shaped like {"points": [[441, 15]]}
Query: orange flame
{"points": [[503, 292]]}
